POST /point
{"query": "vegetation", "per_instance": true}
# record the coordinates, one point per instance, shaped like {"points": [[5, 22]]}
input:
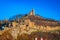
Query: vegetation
{"points": [[26, 31]]}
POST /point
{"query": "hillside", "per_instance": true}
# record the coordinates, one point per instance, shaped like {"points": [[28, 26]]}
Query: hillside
{"points": [[28, 27]]}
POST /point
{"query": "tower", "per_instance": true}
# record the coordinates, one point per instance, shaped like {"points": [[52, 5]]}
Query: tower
{"points": [[32, 12]]}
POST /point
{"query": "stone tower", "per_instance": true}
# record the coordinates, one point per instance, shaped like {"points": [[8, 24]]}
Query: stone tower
{"points": [[32, 12]]}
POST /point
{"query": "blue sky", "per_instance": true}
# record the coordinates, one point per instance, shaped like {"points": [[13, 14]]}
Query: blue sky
{"points": [[45, 8]]}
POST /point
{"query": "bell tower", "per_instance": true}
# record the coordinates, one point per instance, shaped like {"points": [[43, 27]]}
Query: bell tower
{"points": [[32, 12]]}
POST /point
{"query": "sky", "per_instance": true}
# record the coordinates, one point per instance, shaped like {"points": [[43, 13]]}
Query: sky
{"points": [[44, 8]]}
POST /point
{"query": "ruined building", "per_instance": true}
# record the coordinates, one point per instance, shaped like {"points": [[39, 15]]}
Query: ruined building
{"points": [[31, 27]]}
